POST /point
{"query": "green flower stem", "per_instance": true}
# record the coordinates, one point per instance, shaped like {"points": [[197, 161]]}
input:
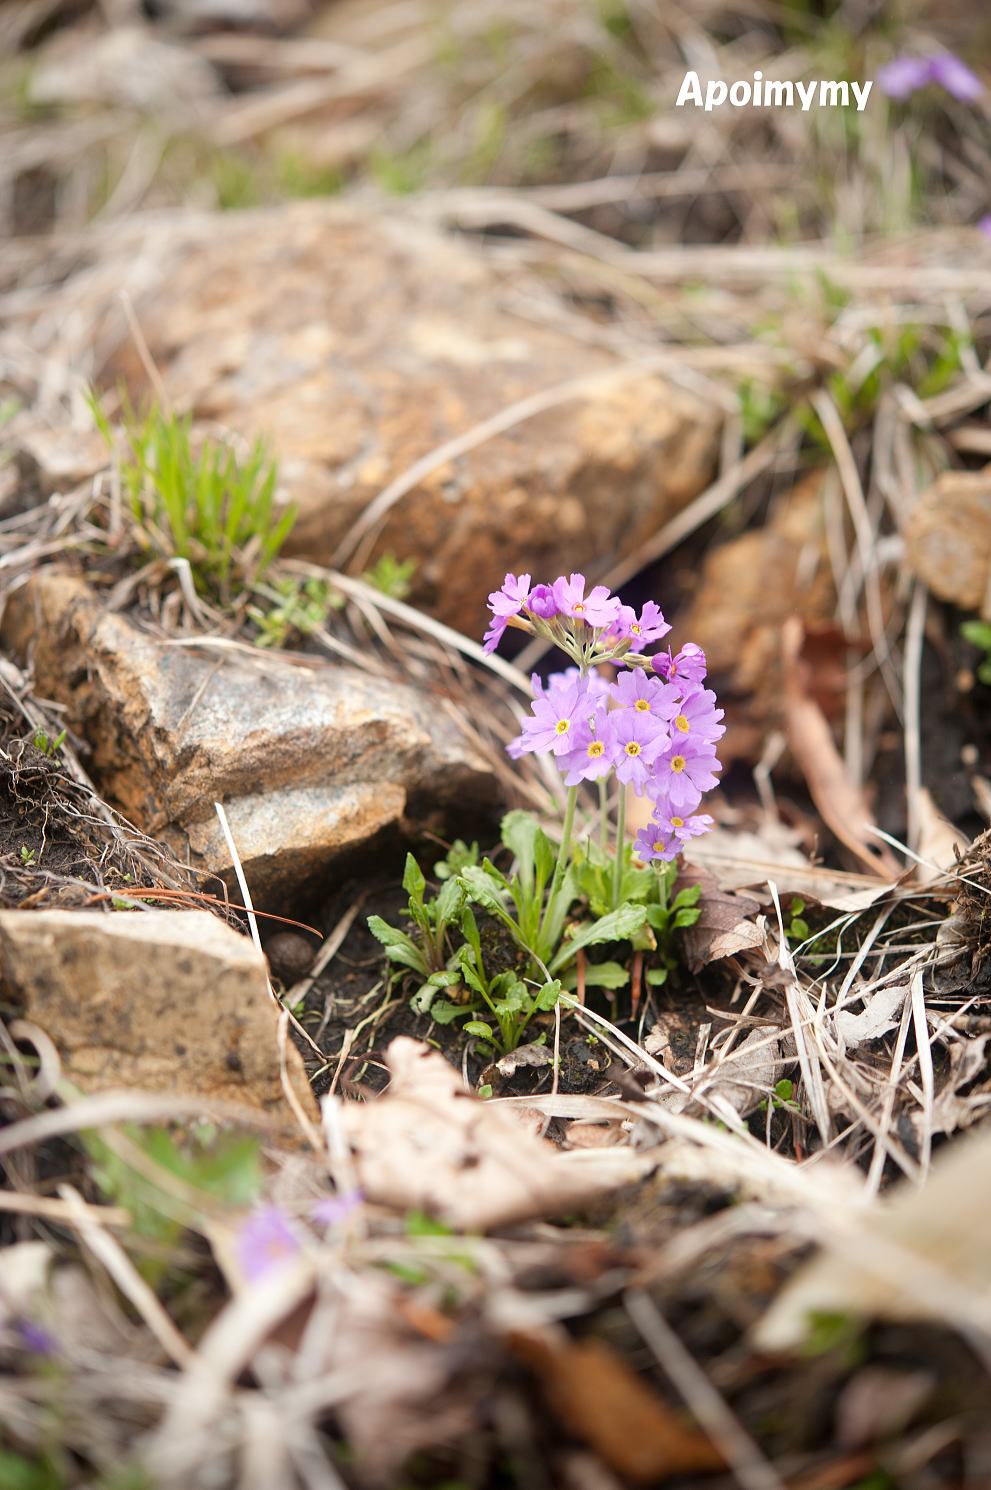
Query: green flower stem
{"points": [[564, 854], [617, 874]]}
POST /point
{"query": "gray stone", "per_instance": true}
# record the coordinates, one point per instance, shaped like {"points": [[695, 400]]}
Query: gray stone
{"points": [[312, 763]]}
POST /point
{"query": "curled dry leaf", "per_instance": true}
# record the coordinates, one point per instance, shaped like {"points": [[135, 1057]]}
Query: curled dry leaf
{"points": [[725, 925], [879, 1017], [744, 1077], [598, 1397], [428, 1144], [524, 1055], [840, 804], [748, 1074]]}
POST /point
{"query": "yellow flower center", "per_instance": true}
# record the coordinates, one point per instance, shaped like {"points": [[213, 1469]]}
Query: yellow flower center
{"points": [[659, 846], [579, 608], [642, 705], [562, 727], [635, 629], [677, 763], [681, 723], [632, 748], [596, 748], [677, 822]]}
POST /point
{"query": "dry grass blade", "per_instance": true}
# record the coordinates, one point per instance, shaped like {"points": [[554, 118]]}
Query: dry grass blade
{"points": [[926, 1073]]}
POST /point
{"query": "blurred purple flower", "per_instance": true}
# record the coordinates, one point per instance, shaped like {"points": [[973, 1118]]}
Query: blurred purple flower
{"points": [[596, 686], [904, 75], [35, 1338], [984, 225], [265, 1241], [332, 1209]]}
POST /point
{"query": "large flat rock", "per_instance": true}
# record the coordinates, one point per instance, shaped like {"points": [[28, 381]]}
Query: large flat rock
{"points": [[167, 1001], [360, 342], [312, 764]]}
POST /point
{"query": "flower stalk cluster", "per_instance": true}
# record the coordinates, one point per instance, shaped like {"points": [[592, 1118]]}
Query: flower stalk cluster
{"points": [[655, 726]]}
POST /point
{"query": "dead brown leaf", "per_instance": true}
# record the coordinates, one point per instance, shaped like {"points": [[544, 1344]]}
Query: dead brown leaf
{"points": [[601, 1401], [428, 1144], [725, 925], [841, 805]]}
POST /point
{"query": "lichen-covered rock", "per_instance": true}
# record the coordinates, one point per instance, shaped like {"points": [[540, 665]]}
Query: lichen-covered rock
{"points": [[166, 1001], [948, 539], [360, 343], [311, 763]]}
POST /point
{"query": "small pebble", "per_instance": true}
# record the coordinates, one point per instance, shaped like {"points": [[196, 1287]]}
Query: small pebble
{"points": [[290, 955]]}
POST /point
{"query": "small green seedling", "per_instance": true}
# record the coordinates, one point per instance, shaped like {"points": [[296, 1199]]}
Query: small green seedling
{"points": [[48, 746], [392, 576], [296, 609], [782, 1098], [978, 633], [797, 929], [28, 856]]}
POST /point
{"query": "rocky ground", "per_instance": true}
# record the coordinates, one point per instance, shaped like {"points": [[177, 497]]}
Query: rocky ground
{"points": [[489, 303]]}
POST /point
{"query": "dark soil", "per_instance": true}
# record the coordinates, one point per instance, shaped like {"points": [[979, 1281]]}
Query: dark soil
{"points": [[353, 994], [54, 840]]}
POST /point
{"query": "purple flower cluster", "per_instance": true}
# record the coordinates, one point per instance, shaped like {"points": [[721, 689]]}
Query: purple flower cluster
{"points": [[655, 726], [905, 75], [576, 620]]}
